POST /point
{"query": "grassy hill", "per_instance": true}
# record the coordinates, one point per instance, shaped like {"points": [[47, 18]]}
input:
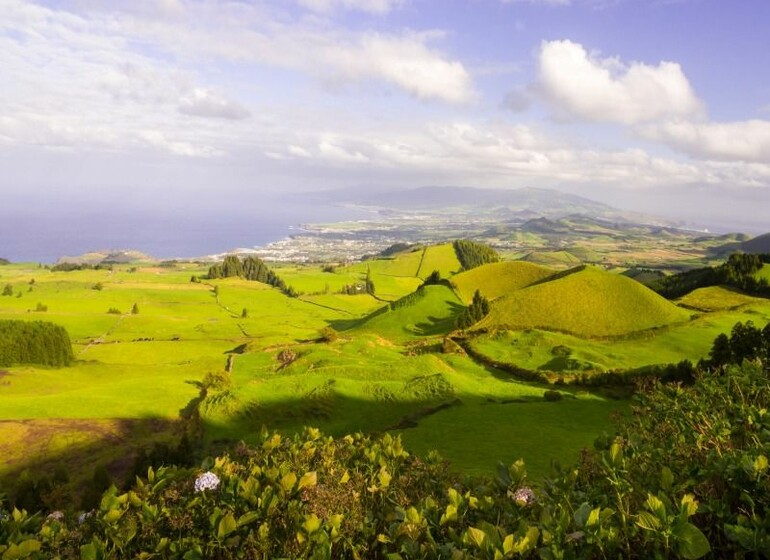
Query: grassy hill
{"points": [[498, 279], [589, 302], [560, 259], [715, 298], [433, 312], [760, 244]]}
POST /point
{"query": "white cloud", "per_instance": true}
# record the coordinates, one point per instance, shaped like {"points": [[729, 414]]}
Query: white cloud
{"points": [[405, 61], [546, 2], [210, 104], [581, 85], [369, 6], [732, 141]]}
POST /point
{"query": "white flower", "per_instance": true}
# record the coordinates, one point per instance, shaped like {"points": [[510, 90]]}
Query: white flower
{"points": [[523, 496], [206, 481], [56, 515], [85, 515]]}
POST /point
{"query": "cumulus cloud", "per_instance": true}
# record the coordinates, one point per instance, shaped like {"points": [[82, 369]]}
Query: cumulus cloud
{"points": [[732, 141], [581, 85], [369, 6], [405, 61], [207, 103]]}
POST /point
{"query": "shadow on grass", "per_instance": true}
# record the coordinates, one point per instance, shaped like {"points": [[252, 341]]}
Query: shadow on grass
{"points": [[34, 449]]}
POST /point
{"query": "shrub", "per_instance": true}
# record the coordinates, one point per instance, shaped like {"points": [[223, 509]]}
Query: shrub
{"points": [[114, 311], [551, 395], [328, 334]]}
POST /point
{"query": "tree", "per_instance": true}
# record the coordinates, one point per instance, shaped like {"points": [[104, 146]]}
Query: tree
{"points": [[369, 284], [134, 309], [720, 353], [8, 290], [244, 313]]}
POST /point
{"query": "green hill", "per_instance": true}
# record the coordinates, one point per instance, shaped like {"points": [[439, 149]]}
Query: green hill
{"points": [[715, 298], [429, 311], [553, 258], [498, 279], [589, 302], [760, 244]]}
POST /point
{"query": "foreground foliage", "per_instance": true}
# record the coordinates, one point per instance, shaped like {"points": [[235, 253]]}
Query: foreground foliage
{"points": [[688, 474]]}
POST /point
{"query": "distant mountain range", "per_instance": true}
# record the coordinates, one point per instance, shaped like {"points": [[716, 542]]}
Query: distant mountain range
{"points": [[505, 205]]}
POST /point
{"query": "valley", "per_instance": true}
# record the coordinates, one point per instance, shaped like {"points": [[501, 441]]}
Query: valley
{"points": [[162, 352]]}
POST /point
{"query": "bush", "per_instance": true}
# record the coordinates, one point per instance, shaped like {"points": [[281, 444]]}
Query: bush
{"points": [[114, 311], [328, 334], [552, 396]]}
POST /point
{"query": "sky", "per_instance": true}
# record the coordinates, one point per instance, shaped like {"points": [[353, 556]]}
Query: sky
{"points": [[661, 106]]}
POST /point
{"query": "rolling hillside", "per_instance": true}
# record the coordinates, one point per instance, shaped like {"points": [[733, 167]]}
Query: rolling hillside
{"points": [[498, 279], [430, 313], [589, 302]]}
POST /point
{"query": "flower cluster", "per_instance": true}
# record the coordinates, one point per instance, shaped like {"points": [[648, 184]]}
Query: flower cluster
{"points": [[56, 516], [523, 496], [206, 481]]}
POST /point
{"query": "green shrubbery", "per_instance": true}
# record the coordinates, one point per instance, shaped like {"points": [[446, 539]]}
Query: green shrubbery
{"points": [[34, 342], [687, 474]]}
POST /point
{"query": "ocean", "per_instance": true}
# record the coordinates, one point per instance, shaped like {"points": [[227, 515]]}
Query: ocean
{"points": [[162, 234]]}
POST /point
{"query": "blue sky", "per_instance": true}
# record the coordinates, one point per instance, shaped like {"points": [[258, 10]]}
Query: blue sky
{"points": [[655, 105]]}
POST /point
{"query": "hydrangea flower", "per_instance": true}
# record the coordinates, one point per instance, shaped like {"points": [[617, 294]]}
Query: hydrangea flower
{"points": [[206, 481], [523, 496]]}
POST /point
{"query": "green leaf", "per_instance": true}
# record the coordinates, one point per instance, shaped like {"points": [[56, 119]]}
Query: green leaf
{"points": [[22, 550], [593, 517], [648, 521], [656, 506], [384, 477], [691, 542], [581, 514], [248, 517], [88, 552], [312, 524], [226, 525], [112, 516], [689, 505], [616, 453], [666, 478], [760, 465], [449, 515], [528, 542], [475, 536], [308, 480], [508, 544], [288, 481]]}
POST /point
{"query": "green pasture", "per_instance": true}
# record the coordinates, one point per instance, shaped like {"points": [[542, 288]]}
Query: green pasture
{"points": [[561, 353], [384, 371]]}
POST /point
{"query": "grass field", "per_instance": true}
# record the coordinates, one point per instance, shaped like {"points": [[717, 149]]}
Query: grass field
{"points": [[385, 371]]}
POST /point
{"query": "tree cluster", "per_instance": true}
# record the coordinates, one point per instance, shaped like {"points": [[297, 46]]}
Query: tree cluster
{"points": [[746, 342], [34, 342], [250, 268], [4, 261], [475, 312], [472, 254], [737, 272], [69, 267]]}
